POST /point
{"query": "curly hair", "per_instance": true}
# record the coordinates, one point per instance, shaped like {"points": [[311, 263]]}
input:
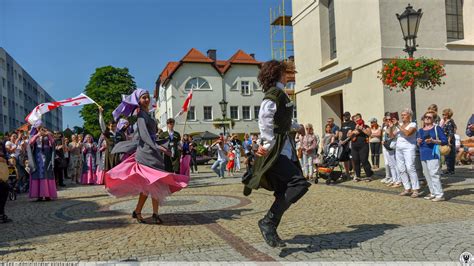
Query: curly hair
{"points": [[271, 73]]}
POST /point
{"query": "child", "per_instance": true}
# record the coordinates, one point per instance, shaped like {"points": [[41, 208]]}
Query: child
{"points": [[231, 162], [12, 178]]}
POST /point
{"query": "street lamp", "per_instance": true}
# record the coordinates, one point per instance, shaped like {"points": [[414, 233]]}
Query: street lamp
{"points": [[409, 22], [223, 105]]}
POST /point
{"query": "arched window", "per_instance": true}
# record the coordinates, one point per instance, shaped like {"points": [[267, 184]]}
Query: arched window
{"points": [[197, 84]]}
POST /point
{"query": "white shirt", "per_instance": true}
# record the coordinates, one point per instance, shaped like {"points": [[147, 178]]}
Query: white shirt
{"points": [[404, 141], [10, 145], [266, 125], [221, 154]]}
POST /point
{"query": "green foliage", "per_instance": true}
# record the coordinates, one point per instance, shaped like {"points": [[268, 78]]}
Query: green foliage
{"points": [[106, 87], [200, 149], [78, 130], [218, 123], [406, 73]]}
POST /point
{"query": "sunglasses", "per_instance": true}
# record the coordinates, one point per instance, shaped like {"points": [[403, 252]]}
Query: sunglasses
{"points": [[428, 117]]}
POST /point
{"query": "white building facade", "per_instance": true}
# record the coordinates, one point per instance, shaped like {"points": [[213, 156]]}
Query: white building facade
{"points": [[340, 46], [212, 80]]}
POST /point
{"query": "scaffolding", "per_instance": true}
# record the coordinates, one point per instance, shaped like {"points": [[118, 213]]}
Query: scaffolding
{"points": [[281, 33]]}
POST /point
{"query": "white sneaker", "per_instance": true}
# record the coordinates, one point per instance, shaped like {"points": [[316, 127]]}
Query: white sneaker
{"points": [[438, 199], [430, 197], [386, 180]]}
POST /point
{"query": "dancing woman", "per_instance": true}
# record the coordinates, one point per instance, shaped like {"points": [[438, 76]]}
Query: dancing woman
{"points": [[142, 173], [89, 150], [41, 162]]}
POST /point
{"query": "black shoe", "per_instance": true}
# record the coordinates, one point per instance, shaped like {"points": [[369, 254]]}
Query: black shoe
{"points": [[138, 218], [267, 227], [247, 191], [156, 219], [4, 219]]}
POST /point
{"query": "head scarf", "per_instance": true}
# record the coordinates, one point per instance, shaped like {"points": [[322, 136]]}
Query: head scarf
{"points": [[34, 128], [129, 104], [85, 138], [121, 124]]}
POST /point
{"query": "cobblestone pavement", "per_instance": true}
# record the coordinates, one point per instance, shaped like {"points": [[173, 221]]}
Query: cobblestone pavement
{"points": [[212, 221]]}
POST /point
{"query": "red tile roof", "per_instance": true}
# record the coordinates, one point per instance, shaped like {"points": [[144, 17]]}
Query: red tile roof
{"points": [[195, 56], [240, 57]]}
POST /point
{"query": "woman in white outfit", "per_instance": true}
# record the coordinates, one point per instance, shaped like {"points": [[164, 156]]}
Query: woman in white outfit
{"points": [[405, 153], [393, 178]]}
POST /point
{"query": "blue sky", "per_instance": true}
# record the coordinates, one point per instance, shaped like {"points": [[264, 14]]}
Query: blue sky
{"points": [[61, 42]]}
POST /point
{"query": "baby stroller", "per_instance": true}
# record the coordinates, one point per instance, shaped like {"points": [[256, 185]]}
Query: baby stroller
{"points": [[330, 161], [12, 183]]}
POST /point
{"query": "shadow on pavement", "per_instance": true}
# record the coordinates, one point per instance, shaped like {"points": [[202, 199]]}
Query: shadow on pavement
{"points": [[5, 252], [340, 240], [199, 218], [39, 219], [451, 194]]}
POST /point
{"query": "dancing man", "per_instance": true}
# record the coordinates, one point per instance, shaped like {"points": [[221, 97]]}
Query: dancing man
{"points": [[276, 166]]}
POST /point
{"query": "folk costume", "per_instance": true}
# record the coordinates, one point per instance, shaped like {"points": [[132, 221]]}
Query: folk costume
{"points": [[172, 163], [279, 170], [89, 150], [41, 153], [142, 172]]}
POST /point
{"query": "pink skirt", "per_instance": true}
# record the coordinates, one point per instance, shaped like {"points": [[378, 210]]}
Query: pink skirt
{"points": [[184, 168], [88, 178], [100, 177], [40, 188], [130, 178]]}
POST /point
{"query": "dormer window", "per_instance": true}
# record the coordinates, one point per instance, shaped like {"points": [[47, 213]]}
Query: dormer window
{"points": [[245, 87]]}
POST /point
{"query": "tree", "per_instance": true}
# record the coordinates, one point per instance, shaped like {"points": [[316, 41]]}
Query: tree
{"points": [[106, 87]]}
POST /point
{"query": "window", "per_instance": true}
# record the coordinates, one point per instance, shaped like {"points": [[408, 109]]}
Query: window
{"points": [[3, 82], [197, 84], [191, 113], [454, 23], [4, 101], [332, 30], [234, 112], [256, 111], [245, 87], [246, 112], [208, 113]]}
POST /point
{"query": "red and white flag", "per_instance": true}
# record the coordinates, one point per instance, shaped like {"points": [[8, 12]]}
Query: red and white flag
{"points": [[186, 104], [43, 108]]}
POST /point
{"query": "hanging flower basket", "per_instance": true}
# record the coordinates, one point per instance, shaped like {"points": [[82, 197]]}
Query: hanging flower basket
{"points": [[404, 73]]}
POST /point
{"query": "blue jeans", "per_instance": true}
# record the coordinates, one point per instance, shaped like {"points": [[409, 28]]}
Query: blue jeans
{"points": [[219, 168]]}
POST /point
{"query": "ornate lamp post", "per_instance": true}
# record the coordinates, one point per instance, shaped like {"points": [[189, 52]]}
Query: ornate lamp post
{"points": [[409, 22], [223, 105]]}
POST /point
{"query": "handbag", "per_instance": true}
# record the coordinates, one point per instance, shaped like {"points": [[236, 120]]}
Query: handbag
{"points": [[443, 149], [388, 144]]}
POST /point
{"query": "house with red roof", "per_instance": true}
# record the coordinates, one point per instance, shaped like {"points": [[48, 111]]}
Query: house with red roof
{"points": [[233, 80]]}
